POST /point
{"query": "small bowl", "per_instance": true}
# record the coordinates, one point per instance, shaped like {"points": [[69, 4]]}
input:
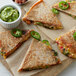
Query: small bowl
{"points": [[21, 3], [14, 24]]}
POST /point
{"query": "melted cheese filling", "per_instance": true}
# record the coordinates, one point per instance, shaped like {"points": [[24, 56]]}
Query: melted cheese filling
{"points": [[63, 46]]}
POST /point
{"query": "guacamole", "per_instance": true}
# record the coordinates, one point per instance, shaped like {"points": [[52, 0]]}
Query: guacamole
{"points": [[9, 14]]}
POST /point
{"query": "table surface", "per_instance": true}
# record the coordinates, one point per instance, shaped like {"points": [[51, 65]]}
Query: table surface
{"points": [[70, 71]]}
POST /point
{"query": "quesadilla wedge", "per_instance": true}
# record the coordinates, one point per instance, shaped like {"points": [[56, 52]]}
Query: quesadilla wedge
{"points": [[38, 56], [9, 43], [67, 44], [41, 15], [66, 7]]}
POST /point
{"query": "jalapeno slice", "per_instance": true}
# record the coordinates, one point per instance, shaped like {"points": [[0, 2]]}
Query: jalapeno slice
{"points": [[63, 5], [74, 36], [46, 42], [16, 32], [55, 11], [35, 35]]}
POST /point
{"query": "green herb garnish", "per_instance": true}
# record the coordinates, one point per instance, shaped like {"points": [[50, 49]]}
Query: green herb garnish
{"points": [[2, 53], [65, 52], [39, 23], [55, 53]]}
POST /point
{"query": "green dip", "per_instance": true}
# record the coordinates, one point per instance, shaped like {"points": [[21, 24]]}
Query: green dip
{"points": [[9, 14]]}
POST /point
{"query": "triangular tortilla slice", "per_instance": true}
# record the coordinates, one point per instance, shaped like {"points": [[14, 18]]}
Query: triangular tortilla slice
{"points": [[9, 43], [70, 11], [39, 12], [67, 44], [38, 56]]}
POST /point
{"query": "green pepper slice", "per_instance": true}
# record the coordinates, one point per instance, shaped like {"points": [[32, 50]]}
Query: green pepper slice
{"points": [[35, 35], [74, 36], [55, 11], [63, 5], [16, 32], [46, 42]]}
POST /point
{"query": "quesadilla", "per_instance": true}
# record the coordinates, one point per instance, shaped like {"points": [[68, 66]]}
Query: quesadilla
{"points": [[9, 43], [69, 7], [41, 15], [67, 44], [38, 56]]}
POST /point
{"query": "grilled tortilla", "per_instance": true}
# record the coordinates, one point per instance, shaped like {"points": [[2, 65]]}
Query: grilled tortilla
{"points": [[38, 56], [70, 11], [67, 44], [41, 15], [9, 43]]}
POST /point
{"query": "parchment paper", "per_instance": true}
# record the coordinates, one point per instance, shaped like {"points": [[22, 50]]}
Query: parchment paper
{"points": [[16, 58]]}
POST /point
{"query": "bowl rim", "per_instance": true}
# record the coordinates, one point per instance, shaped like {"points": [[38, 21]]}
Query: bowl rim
{"points": [[20, 3], [14, 6]]}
